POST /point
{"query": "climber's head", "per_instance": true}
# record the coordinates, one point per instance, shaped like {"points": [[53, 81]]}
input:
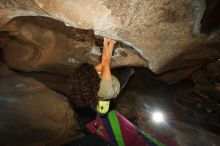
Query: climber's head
{"points": [[84, 86]]}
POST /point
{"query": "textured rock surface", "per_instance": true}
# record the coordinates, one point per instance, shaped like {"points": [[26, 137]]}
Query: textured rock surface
{"points": [[165, 33], [31, 114], [47, 45]]}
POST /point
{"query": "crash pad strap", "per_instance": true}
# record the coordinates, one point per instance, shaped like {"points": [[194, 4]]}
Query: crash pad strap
{"points": [[112, 116], [152, 139]]}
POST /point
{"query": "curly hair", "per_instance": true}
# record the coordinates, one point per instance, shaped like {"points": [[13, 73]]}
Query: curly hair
{"points": [[84, 85]]}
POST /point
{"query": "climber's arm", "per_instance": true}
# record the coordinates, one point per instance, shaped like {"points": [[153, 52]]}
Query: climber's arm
{"points": [[109, 85], [108, 46]]}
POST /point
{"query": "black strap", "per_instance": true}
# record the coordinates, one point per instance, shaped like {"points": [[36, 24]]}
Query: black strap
{"points": [[91, 140], [84, 115]]}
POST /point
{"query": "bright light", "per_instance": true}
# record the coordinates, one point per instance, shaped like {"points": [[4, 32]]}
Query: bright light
{"points": [[158, 117]]}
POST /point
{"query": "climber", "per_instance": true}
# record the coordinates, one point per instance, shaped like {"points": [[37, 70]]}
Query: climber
{"points": [[94, 85], [89, 83], [109, 85]]}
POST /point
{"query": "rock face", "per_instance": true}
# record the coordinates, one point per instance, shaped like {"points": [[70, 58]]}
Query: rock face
{"points": [[47, 45], [165, 35], [31, 114]]}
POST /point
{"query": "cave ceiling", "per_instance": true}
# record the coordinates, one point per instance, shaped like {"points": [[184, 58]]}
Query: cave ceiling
{"points": [[55, 36]]}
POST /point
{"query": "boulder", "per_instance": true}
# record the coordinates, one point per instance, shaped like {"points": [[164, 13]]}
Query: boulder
{"points": [[31, 114], [167, 34]]}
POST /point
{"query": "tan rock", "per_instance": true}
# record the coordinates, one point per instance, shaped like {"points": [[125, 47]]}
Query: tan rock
{"points": [[31, 114], [165, 33]]}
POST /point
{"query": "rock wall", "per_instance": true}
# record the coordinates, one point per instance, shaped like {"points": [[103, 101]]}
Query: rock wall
{"points": [[166, 34], [48, 45], [31, 114]]}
